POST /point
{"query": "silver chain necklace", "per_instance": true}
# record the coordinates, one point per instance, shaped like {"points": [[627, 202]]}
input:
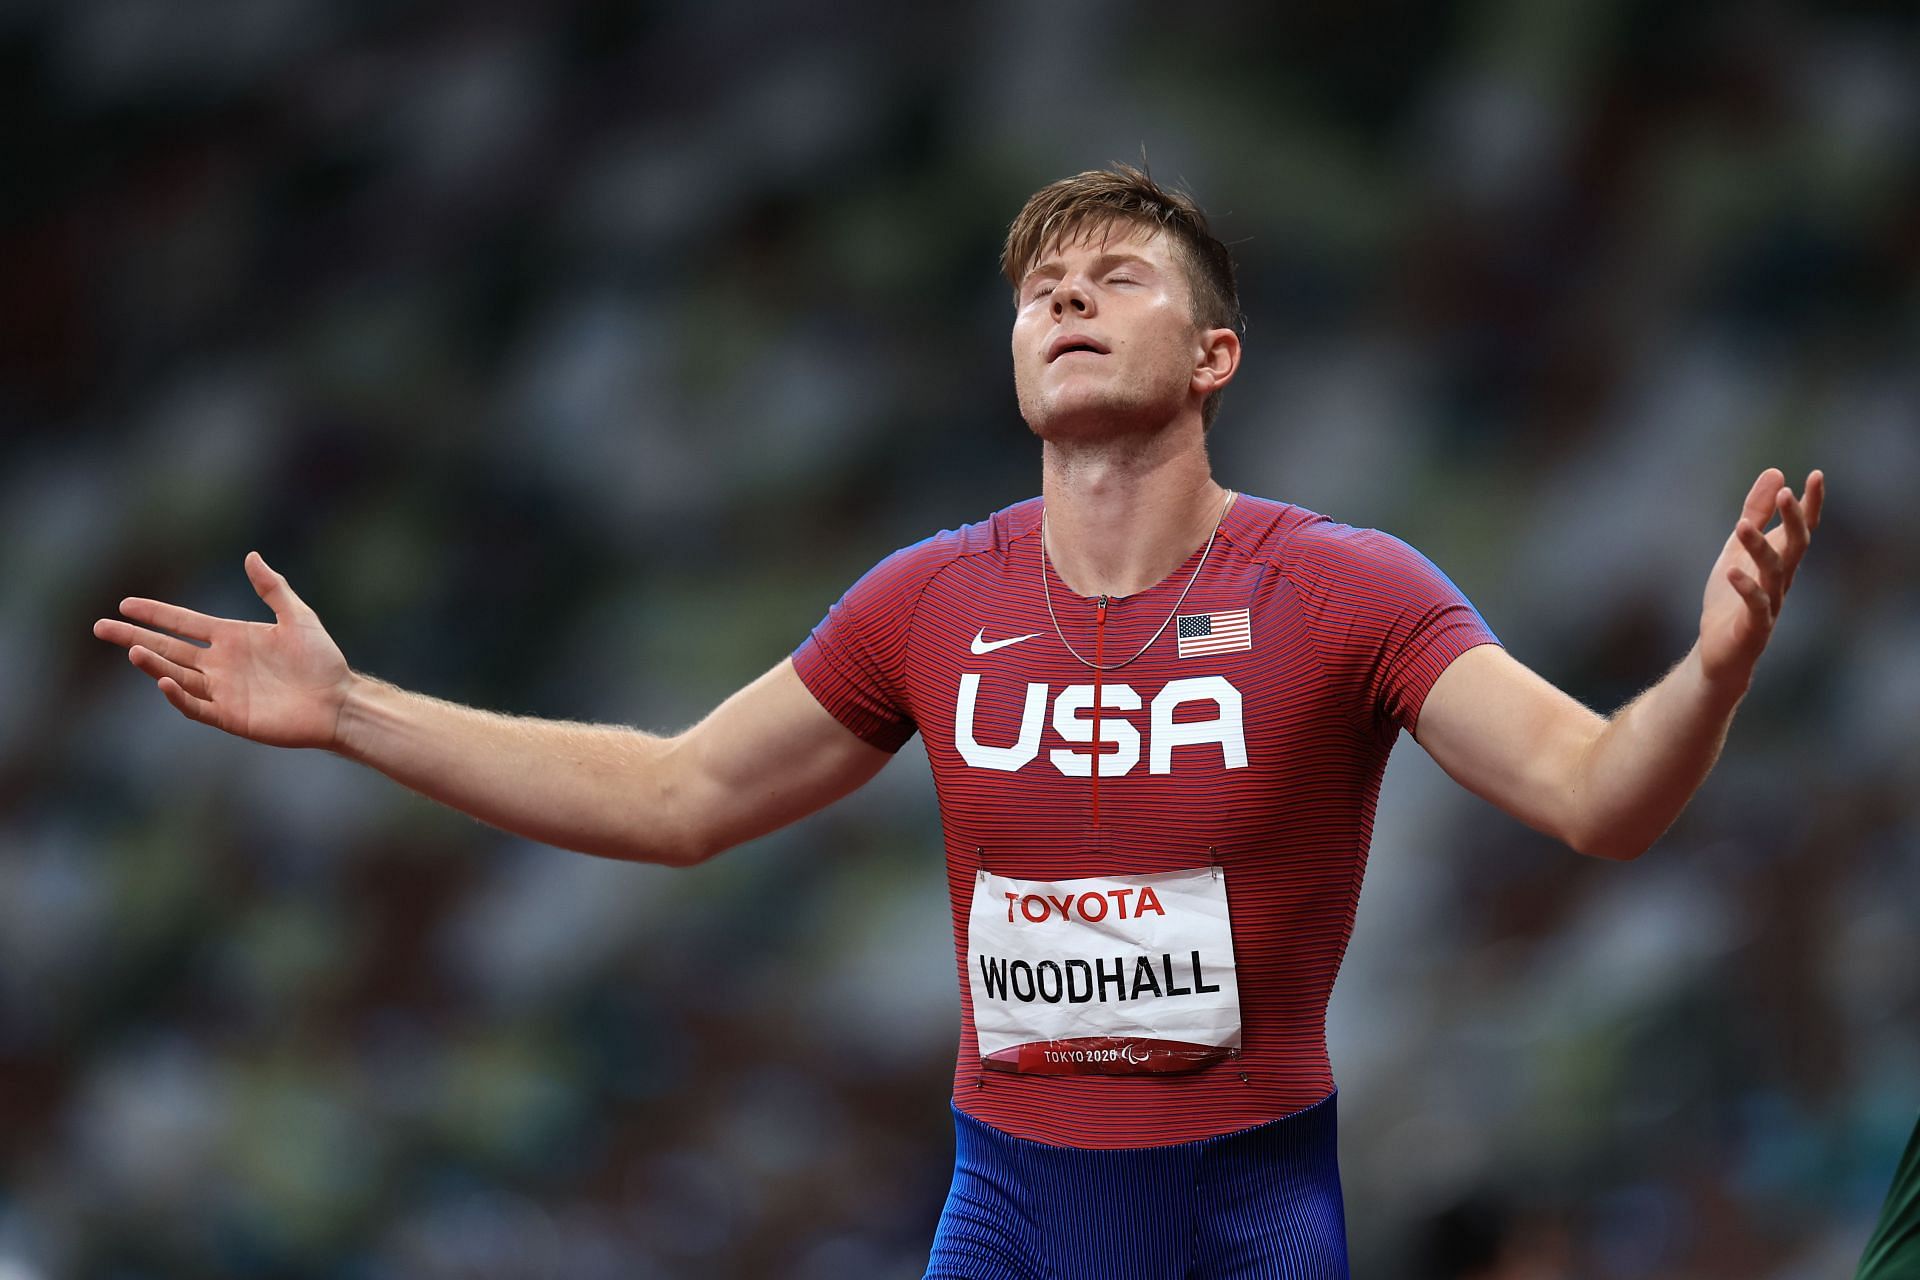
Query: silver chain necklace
{"points": [[1046, 590]]}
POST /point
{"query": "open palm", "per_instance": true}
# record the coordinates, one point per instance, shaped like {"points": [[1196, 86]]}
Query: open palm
{"points": [[1749, 581], [281, 683]]}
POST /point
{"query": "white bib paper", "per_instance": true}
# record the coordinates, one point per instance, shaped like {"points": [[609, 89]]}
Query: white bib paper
{"points": [[1110, 975]]}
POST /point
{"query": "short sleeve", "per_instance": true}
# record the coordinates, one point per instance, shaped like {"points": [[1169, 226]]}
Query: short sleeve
{"points": [[854, 661], [1382, 614]]}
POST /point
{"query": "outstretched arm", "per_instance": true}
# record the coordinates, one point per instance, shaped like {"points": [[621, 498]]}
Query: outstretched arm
{"points": [[1610, 786], [768, 755]]}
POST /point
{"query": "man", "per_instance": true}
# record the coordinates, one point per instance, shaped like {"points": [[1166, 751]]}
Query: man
{"points": [[1893, 1250], [1157, 714]]}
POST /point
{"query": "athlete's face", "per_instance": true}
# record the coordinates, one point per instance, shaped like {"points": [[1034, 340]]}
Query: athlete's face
{"points": [[1104, 339]]}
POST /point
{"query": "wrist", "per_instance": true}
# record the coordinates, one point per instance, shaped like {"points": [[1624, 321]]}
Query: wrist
{"points": [[1723, 684], [352, 714]]}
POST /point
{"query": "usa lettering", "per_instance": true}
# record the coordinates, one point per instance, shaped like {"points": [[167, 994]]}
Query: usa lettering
{"points": [[1036, 908], [1073, 721]]}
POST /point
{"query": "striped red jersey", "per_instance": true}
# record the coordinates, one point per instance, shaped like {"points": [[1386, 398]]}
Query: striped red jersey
{"points": [[1251, 733]]}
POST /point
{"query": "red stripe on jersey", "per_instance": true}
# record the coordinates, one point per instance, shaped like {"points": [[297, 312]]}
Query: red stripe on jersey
{"points": [[1267, 759]]}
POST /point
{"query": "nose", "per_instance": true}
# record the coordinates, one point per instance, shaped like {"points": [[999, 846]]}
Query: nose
{"points": [[1071, 294]]}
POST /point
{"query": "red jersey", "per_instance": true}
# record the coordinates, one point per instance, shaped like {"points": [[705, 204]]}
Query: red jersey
{"points": [[1250, 733]]}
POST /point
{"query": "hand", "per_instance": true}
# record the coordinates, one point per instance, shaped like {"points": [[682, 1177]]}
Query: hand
{"points": [[1750, 579], [281, 683]]}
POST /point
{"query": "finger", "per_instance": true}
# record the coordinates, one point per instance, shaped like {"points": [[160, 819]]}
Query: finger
{"points": [[196, 626], [1759, 603], [272, 587], [1759, 504], [1766, 561], [1766, 557], [125, 634], [194, 682], [185, 703], [1793, 523], [1794, 534], [1816, 497]]}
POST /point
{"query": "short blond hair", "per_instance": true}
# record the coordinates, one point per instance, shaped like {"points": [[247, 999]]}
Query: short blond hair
{"points": [[1121, 192]]}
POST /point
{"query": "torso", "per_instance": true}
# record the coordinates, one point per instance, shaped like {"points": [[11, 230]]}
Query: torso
{"points": [[1263, 757]]}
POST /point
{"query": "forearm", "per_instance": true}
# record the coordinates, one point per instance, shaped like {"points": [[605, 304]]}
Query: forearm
{"points": [[1609, 787], [1646, 761], [598, 789]]}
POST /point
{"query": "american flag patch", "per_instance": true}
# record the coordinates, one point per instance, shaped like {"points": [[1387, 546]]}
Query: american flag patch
{"points": [[1200, 633]]}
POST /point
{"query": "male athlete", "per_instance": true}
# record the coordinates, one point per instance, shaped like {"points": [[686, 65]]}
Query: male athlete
{"points": [[1893, 1250], [1157, 713]]}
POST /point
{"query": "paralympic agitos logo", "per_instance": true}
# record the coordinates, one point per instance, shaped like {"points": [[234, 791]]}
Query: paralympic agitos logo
{"points": [[1073, 721]]}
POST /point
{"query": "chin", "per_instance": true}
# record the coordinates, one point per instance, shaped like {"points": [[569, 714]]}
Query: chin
{"points": [[1096, 417]]}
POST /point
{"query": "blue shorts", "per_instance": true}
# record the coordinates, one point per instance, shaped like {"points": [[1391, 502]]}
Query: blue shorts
{"points": [[1260, 1204]]}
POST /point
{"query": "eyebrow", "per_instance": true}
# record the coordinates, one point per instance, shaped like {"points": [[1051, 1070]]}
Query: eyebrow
{"points": [[1106, 261]]}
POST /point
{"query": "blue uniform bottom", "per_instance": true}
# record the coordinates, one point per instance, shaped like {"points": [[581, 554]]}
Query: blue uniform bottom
{"points": [[1260, 1204]]}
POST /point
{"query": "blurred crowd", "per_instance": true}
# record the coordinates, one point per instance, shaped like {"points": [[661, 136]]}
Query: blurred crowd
{"points": [[571, 358]]}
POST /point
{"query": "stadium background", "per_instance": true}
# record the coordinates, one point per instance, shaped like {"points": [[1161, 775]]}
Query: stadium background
{"points": [[571, 358]]}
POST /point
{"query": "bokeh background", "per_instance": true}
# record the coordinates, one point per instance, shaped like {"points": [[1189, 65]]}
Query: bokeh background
{"points": [[572, 357]]}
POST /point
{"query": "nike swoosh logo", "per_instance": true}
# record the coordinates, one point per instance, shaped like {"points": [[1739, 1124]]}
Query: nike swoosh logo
{"points": [[983, 645]]}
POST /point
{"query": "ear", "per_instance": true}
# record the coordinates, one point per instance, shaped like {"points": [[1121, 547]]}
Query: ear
{"points": [[1216, 360]]}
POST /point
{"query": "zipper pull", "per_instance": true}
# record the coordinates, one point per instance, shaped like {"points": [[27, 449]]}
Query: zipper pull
{"points": [[1100, 611]]}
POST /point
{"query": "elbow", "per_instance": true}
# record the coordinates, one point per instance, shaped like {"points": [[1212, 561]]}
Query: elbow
{"points": [[1613, 846], [1624, 852], [655, 851], [670, 831], [659, 848], [691, 851], [651, 847], [1615, 836]]}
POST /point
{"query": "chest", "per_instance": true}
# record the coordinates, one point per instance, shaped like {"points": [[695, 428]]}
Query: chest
{"points": [[1221, 687]]}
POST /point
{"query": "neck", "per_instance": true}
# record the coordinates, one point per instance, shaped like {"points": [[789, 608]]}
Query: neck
{"points": [[1123, 514]]}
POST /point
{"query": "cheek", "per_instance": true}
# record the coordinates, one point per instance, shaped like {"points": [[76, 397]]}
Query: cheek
{"points": [[1021, 343], [1162, 348]]}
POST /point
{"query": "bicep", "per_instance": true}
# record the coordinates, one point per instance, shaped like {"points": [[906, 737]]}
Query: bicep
{"points": [[767, 756], [1509, 736]]}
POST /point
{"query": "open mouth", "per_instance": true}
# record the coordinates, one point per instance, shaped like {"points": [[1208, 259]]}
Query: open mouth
{"points": [[1067, 344]]}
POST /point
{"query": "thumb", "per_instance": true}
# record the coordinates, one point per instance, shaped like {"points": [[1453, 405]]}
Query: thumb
{"points": [[272, 587]]}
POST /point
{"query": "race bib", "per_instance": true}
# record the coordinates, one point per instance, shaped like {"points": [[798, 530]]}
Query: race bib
{"points": [[1110, 975]]}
